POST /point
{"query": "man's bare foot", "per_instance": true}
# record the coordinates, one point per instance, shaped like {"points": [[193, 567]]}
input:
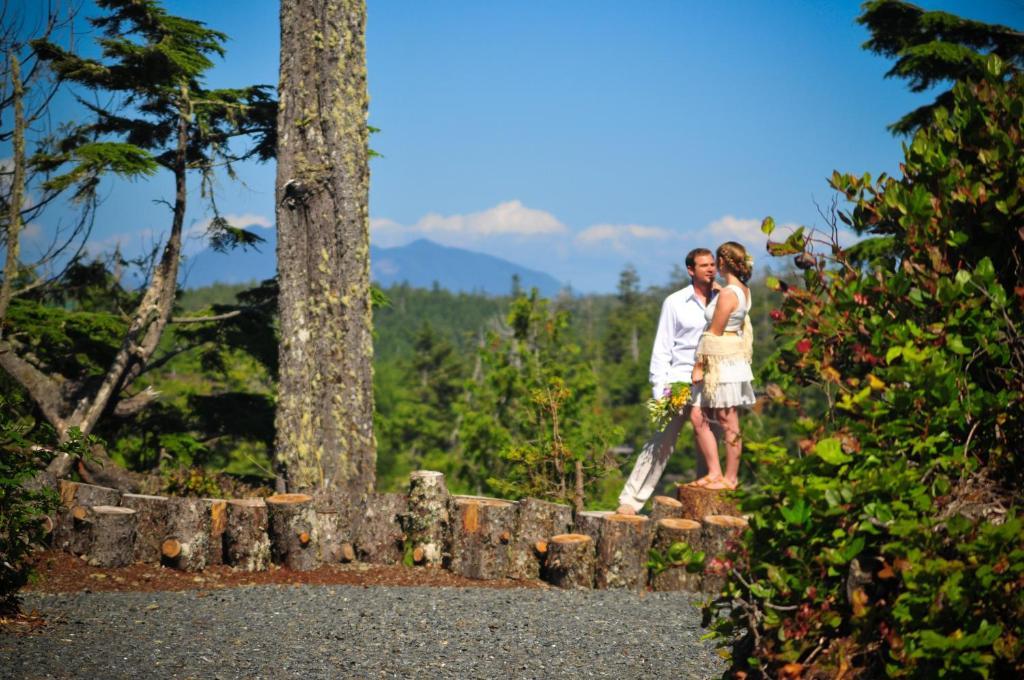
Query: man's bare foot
{"points": [[625, 510]]}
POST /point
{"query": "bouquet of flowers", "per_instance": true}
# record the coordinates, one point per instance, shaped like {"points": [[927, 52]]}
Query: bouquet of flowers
{"points": [[673, 400]]}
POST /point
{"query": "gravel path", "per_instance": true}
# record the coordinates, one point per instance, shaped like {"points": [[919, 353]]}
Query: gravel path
{"points": [[378, 632]]}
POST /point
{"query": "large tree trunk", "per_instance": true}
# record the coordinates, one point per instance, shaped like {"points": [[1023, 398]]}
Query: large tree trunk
{"points": [[325, 403]]}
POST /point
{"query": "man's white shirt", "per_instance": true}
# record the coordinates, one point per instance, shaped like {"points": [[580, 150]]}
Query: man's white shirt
{"points": [[675, 344]]}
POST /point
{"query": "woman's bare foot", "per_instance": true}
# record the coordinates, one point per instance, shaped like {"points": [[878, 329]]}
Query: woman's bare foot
{"points": [[721, 484], [625, 510], [705, 481]]}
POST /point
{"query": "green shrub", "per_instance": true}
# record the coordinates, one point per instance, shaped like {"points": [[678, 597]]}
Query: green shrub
{"points": [[23, 510], [891, 542]]}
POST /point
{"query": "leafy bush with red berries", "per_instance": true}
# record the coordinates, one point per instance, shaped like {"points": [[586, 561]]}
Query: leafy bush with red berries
{"points": [[892, 543]]}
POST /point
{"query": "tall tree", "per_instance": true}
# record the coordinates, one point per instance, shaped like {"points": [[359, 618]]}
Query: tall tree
{"points": [[931, 48], [152, 66], [324, 418]]}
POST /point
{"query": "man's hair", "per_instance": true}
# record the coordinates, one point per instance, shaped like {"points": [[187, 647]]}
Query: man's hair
{"points": [[691, 257]]}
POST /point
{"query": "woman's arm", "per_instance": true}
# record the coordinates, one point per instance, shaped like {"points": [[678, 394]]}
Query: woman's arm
{"points": [[727, 303]]}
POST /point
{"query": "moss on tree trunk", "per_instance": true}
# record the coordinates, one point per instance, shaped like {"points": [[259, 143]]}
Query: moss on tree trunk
{"points": [[325, 406]]}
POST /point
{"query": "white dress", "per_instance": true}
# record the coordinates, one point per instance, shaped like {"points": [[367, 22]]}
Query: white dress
{"points": [[735, 378]]}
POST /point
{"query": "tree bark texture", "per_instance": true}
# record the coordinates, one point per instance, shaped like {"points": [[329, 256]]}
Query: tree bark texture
{"points": [[481, 531], [427, 522], [570, 561], [589, 523], [699, 503], [113, 536], [667, 532], [379, 536], [291, 524], [188, 532], [325, 395], [73, 531], [718, 532], [246, 543], [153, 521], [536, 520], [664, 507], [622, 552], [336, 521], [12, 239]]}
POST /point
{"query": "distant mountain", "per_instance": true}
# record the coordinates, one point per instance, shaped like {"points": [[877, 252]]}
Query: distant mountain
{"points": [[423, 262], [420, 264]]}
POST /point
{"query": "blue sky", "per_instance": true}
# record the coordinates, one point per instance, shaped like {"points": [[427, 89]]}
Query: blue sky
{"points": [[575, 137]]}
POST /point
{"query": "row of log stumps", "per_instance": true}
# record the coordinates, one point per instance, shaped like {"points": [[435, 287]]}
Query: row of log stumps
{"points": [[473, 536]]}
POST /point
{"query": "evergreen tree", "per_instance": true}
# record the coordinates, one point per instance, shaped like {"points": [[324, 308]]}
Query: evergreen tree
{"points": [[532, 423], [152, 65], [931, 48]]}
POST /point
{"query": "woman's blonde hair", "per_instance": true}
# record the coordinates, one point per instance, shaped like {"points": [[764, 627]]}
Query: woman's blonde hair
{"points": [[735, 258]]}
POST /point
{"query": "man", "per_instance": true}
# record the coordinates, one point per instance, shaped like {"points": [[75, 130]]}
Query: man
{"points": [[675, 344]]}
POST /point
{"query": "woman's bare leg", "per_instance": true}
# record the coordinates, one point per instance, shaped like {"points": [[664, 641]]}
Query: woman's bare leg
{"points": [[730, 420], [706, 442]]}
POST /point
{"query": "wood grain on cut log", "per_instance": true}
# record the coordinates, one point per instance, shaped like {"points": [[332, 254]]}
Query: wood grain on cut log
{"points": [[73, 530], [666, 533], [218, 509], [535, 521], [589, 523], [622, 552], [481, 531], [570, 561], [665, 507], [186, 542], [379, 535], [113, 536], [427, 523], [153, 522], [291, 524], [718, 532], [699, 503], [246, 542]]}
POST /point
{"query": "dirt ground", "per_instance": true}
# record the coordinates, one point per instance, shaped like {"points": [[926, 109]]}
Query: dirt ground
{"points": [[60, 572]]}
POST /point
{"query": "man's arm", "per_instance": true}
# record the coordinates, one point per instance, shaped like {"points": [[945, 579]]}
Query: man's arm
{"points": [[661, 353]]}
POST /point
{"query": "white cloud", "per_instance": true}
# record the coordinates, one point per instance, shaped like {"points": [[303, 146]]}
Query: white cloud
{"points": [[508, 218], [730, 228], [619, 236]]}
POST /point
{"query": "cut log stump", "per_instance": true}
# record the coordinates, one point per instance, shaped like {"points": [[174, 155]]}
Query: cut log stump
{"points": [[153, 524], [536, 520], [218, 509], [246, 543], [113, 536], [699, 503], [481, 531], [718, 531], [335, 525], [73, 530], [665, 507], [187, 541], [622, 552], [589, 523], [427, 522], [666, 533], [570, 561], [379, 537], [291, 524]]}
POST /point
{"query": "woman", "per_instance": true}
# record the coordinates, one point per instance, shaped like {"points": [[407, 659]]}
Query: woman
{"points": [[722, 376]]}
